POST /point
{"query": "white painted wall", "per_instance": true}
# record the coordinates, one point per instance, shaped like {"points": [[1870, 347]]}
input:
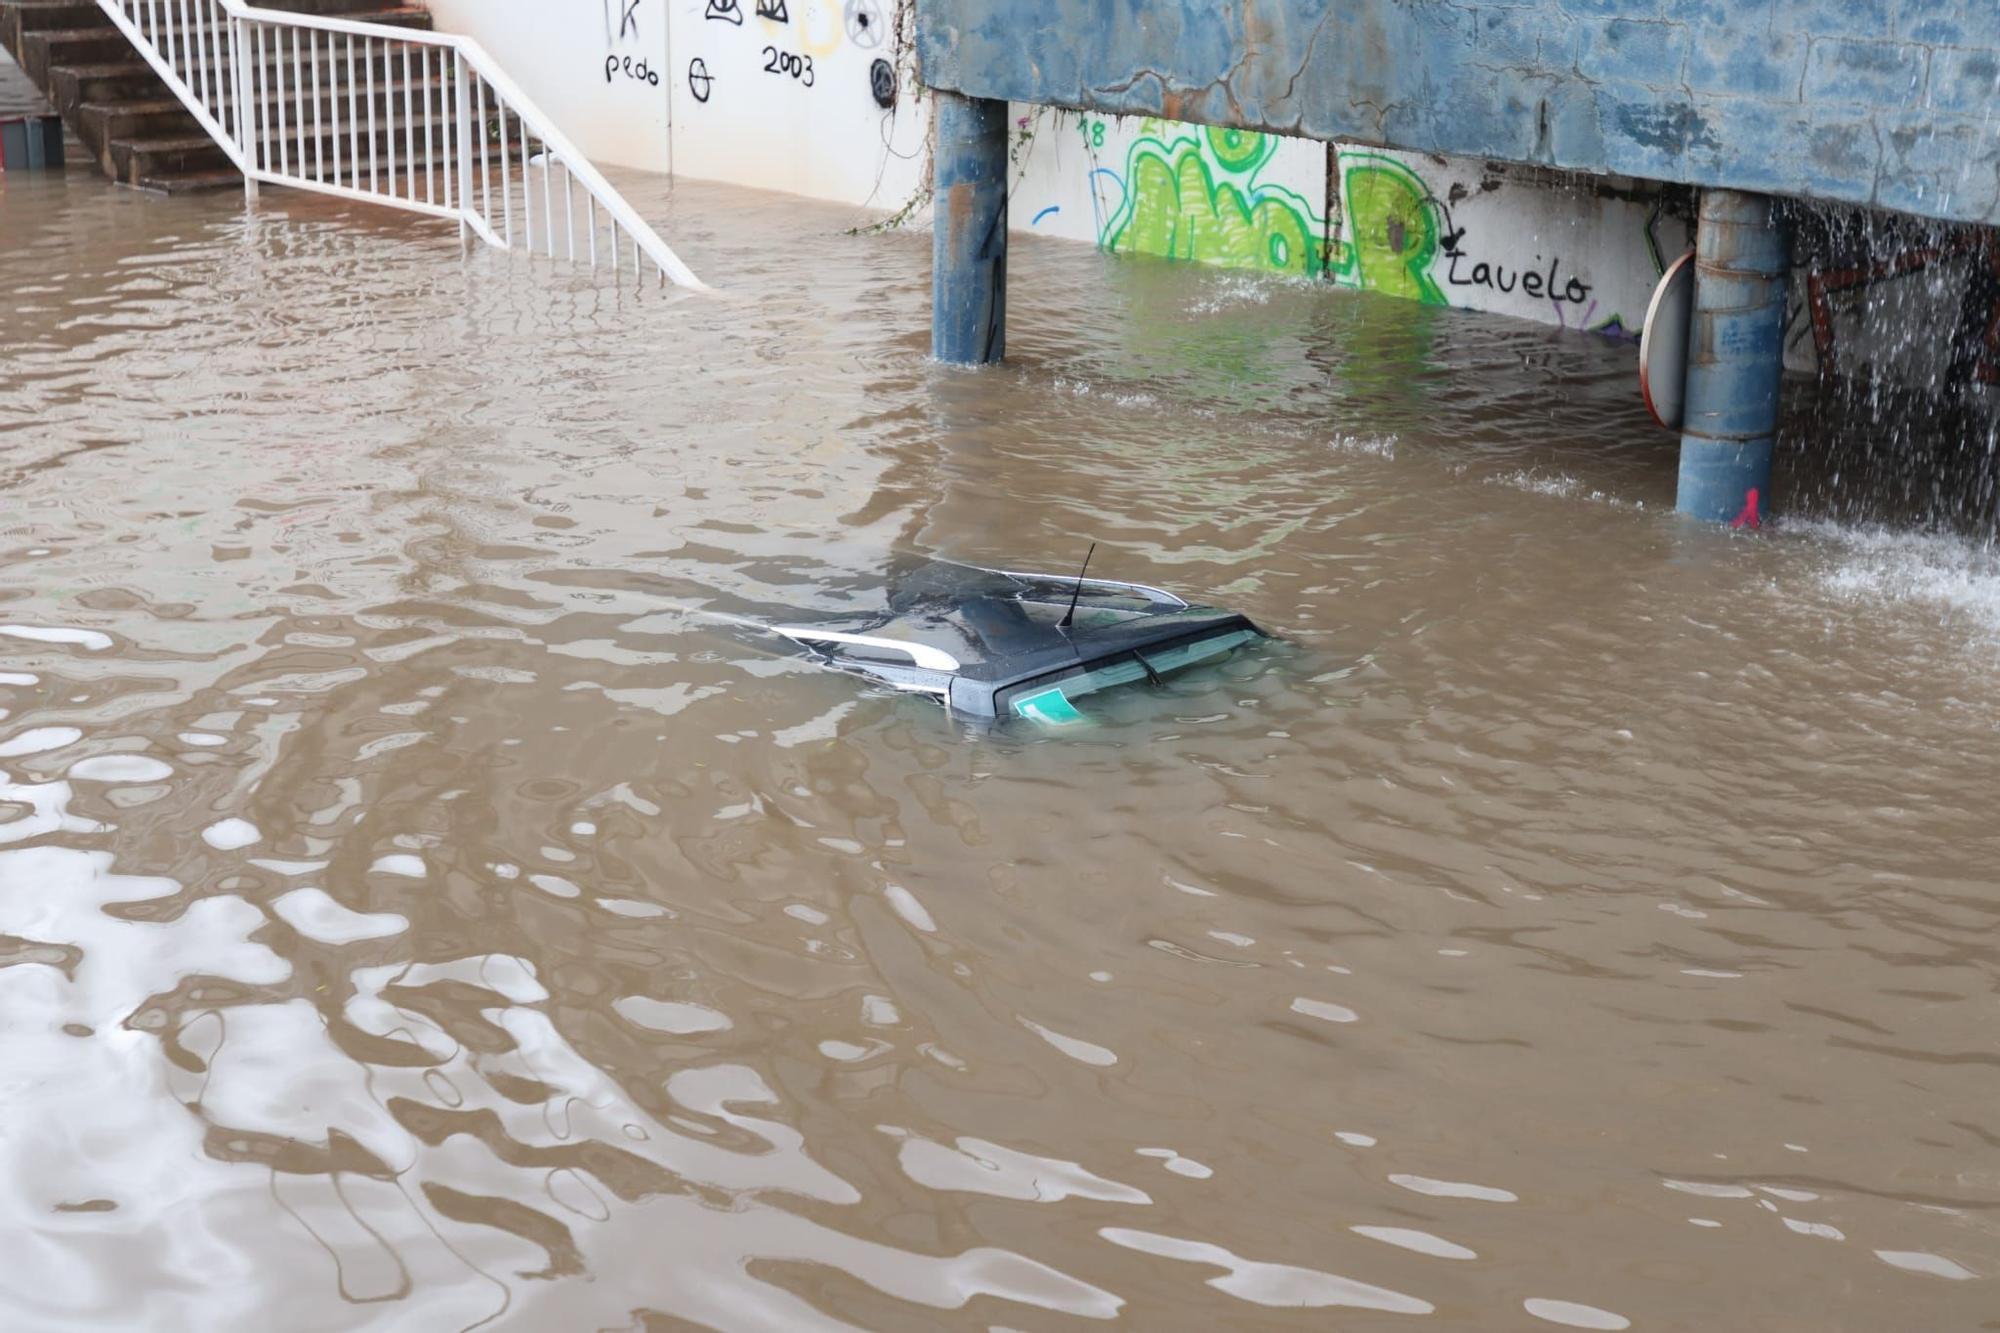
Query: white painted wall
{"points": [[570, 57], [777, 94], [771, 93]]}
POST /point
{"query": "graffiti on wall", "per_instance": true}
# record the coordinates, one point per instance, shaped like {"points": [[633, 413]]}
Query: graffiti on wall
{"points": [[1198, 197], [624, 49], [1387, 223], [1210, 195], [792, 40], [1392, 229]]}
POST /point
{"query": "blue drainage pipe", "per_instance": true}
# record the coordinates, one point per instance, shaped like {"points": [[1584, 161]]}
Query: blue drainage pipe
{"points": [[969, 230], [1736, 358]]}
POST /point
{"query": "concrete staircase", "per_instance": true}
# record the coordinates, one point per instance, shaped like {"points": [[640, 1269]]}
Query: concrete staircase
{"points": [[115, 104]]}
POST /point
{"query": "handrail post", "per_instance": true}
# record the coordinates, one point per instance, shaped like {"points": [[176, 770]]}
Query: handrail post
{"points": [[464, 145], [246, 128], [257, 142]]}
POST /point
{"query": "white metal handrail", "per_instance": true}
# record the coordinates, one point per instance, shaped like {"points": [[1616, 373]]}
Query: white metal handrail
{"points": [[423, 121]]}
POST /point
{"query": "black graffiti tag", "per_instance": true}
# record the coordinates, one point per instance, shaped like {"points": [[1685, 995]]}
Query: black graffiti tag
{"points": [[882, 83], [784, 62], [725, 11], [864, 24], [628, 20], [774, 10], [700, 81], [634, 69], [1497, 277]]}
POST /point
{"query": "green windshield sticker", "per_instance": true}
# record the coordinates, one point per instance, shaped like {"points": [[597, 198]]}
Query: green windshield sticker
{"points": [[1051, 706]]}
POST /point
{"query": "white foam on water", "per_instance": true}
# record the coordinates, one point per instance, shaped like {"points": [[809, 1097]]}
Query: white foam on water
{"points": [[1076, 1048], [317, 915], [1820, 1229], [1707, 1190], [1922, 1261], [286, 868], [1422, 1242], [1332, 1013], [1453, 1189], [1179, 1165], [119, 768], [909, 908], [1368, 446], [38, 740], [399, 863], [18, 678], [201, 738], [501, 973], [229, 834], [676, 1016], [1353, 1139], [88, 638], [1276, 1285], [978, 1166], [631, 907], [1953, 577], [48, 811], [1559, 486], [1571, 1314]]}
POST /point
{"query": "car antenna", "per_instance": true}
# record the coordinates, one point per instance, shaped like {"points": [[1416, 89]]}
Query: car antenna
{"points": [[1070, 614]]}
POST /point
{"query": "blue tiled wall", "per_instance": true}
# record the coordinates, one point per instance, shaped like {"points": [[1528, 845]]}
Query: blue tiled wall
{"points": [[1883, 102]]}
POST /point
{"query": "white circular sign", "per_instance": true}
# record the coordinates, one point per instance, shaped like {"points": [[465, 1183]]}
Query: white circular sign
{"points": [[1663, 343]]}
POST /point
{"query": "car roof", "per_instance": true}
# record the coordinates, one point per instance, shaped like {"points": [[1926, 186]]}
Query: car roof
{"points": [[966, 632]]}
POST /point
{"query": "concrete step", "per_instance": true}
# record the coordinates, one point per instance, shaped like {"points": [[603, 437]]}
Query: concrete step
{"points": [[164, 155], [141, 133], [100, 82], [18, 16], [192, 182], [43, 49], [136, 118]]}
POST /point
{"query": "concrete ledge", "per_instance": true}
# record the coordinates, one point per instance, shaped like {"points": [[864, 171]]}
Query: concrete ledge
{"points": [[1855, 101]]}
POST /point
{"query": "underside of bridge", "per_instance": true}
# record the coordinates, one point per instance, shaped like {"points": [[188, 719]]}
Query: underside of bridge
{"points": [[1754, 103]]}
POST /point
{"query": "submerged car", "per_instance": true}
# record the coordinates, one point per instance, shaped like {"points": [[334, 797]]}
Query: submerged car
{"points": [[996, 643]]}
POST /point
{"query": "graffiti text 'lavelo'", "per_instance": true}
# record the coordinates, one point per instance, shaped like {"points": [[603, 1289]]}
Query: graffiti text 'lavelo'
{"points": [[1574, 290]]}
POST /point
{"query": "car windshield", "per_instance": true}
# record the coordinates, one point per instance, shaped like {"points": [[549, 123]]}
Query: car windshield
{"points": [[1053, 699]]}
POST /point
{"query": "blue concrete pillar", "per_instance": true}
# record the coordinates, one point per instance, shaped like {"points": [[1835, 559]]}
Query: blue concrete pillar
{"points": [[969, 230], [1736, 357]]}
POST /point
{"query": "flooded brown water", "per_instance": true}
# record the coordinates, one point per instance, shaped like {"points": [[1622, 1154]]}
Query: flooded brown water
{"points": [[421, 906]]}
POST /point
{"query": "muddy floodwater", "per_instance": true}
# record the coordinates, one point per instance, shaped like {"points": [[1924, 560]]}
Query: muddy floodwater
{"points": [[424, 905]]}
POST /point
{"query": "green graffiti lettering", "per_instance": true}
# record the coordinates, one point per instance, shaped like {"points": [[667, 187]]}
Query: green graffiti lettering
{"points": [[1197, 199], [1391, 236]]}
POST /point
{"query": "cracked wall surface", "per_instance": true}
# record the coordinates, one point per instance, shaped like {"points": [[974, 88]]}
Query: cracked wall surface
{"points": [[1886, 103]]}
